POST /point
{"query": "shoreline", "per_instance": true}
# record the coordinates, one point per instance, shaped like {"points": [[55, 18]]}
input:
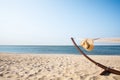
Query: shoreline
{"points": [[21, 53], [55, 67]]}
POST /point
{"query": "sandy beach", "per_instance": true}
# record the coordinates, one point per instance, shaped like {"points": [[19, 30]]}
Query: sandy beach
{"points": [[55, 67]]}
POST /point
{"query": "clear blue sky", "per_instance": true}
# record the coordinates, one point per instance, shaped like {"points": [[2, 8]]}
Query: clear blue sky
{"points": [[53, 22]]}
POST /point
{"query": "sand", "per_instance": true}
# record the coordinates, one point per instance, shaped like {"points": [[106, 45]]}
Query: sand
{"points": [[55, 67]]}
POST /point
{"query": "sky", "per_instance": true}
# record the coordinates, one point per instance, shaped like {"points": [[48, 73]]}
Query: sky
{"points": [[54, 22]]}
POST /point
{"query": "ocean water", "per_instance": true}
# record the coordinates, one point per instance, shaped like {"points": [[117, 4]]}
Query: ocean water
{"points": [[98, 50]]}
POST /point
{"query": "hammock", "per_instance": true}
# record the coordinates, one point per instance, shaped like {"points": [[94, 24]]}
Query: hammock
{"points": [[107, 70]]}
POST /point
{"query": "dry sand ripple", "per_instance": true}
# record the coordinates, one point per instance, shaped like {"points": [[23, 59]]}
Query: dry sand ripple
{"points": [[54, 67]]}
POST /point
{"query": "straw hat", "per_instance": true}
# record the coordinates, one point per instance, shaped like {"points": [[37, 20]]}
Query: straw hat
{"points": [[87, 44]]}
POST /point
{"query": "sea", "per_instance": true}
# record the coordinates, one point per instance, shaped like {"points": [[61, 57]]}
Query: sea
{"points": [[40, 49]]}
